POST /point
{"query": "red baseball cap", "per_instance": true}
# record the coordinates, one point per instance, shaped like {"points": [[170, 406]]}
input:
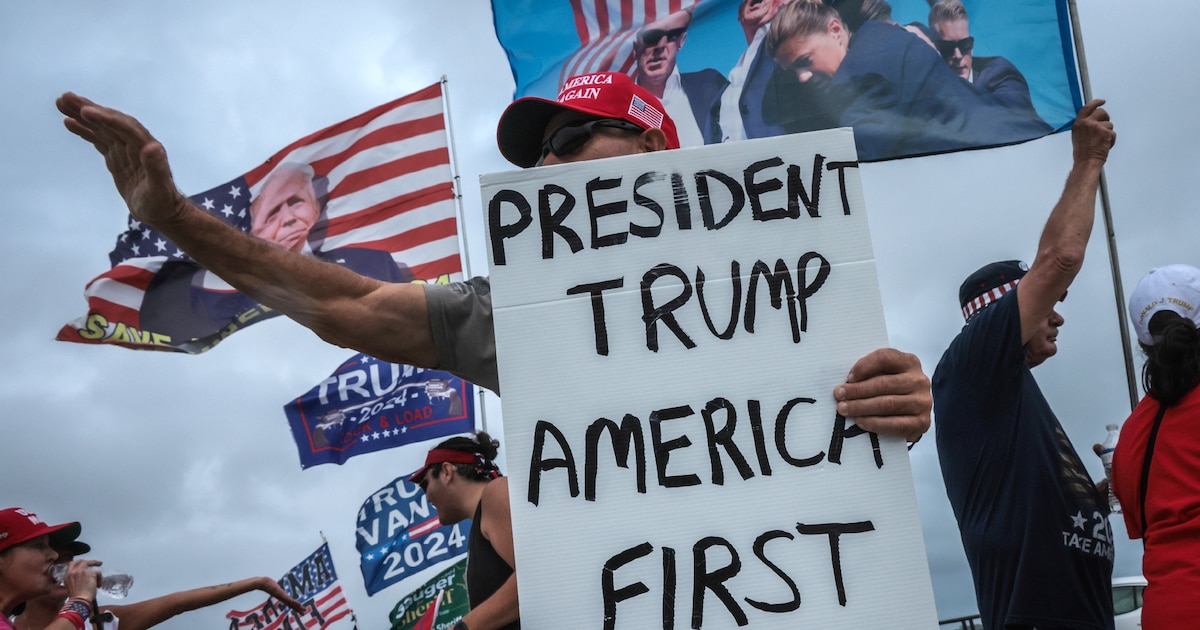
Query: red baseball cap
{"points": [[601, 94], [437, 456], [18, 525]]}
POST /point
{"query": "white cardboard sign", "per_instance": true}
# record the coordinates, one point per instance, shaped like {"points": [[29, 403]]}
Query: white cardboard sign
{"points": [[670, 328]]}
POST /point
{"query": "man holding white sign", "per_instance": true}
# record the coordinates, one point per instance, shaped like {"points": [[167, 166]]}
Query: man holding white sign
{"points": [[667, 323]]}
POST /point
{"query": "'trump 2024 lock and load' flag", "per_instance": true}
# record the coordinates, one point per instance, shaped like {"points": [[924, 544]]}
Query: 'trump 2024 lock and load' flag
{"points": [[373, 193], [399, 535], [905, 91], [368, 405], [313, 583]]}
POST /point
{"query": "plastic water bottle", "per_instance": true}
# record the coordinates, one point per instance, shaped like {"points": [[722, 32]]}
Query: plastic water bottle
{"points": [[115, 584], [1106, 456]]}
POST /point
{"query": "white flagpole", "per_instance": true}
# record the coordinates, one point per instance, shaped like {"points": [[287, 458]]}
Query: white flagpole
{"points": [[1110, 233], [480, 407]]}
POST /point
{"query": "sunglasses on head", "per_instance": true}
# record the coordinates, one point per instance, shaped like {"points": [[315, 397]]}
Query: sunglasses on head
{"points": [[947, 47], [570, 137], [650, 37]]}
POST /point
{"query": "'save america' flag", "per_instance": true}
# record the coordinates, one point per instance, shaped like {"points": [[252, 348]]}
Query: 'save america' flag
{"points": [[373, 193], [314, 584]]}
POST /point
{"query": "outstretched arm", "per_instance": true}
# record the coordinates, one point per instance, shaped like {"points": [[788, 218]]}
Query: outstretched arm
{"points": [[501, 608], [1065, 237], [152, 612], [886, 392], [389, 321]]}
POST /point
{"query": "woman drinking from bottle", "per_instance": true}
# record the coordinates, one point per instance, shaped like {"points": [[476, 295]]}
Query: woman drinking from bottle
{"points": [[26, 555], [40, 612]]}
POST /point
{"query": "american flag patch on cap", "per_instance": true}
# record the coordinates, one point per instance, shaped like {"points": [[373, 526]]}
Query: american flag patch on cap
{"points": [[645, 112]]}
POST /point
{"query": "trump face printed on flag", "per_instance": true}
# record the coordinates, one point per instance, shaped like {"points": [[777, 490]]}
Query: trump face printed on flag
{"points": [[193, 307], [372, 193], [286, 208]]}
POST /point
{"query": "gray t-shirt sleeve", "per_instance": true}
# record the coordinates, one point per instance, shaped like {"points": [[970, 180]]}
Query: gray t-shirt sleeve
{"points": [[460, 317]]}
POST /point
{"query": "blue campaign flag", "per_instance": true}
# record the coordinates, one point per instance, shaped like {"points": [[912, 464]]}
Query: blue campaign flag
{"points": [[906, 86], [368, 405], [399, 535]]}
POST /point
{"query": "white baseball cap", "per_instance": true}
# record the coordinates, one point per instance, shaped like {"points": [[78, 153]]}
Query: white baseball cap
{"points": [[1170, 288]]}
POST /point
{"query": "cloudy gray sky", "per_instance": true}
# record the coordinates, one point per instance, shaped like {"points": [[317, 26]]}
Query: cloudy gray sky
{"points": [[182, 468]]}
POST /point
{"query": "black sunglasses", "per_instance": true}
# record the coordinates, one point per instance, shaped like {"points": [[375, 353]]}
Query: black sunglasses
{"points": [[570, 137], [947, 47], [652, 36]]}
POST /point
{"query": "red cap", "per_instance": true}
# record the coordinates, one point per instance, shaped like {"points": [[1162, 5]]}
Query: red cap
{"points": [[601, 94], [18, 525], [439, 455]]}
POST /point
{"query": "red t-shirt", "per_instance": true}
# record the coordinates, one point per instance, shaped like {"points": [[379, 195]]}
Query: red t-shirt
{"points": [[1171, 562]]}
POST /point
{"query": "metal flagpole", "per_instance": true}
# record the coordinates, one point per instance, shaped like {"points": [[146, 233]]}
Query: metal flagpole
{"points": [[1110, 233], [480, 408]]}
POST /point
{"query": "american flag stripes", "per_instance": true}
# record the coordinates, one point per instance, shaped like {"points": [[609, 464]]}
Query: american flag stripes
{"points": [[383, 180], [314, 584], [974, 306]]}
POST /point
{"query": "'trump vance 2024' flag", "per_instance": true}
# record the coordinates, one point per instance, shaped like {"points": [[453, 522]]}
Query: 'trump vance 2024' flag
{"points": [[373, 193], [399, 535], [313, 583], [368, 405], [904, 90]]}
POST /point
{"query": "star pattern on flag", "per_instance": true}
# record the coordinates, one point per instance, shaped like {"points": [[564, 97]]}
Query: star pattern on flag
{"points": [[233, 206]]}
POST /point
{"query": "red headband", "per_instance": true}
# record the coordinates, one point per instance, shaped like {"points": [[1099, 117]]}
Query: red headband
{"points": [[439, 455]]}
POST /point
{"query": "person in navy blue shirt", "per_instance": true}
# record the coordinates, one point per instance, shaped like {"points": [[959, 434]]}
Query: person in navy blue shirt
{"points": [[1034, 527]]}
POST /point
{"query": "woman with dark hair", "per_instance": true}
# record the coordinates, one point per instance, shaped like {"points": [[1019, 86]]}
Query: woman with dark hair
{"points": [[26, 555], [462, 481], [1156, 465]]}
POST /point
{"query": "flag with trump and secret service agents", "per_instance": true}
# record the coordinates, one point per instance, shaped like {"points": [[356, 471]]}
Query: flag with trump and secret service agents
{"points": [[373, 193], [399, 535], [908, 84], [369, 405]]}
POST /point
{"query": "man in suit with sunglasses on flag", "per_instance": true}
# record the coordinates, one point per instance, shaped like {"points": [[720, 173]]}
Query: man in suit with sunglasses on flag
{"points": [[690, 98], [447, 327], [993, 76]]}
